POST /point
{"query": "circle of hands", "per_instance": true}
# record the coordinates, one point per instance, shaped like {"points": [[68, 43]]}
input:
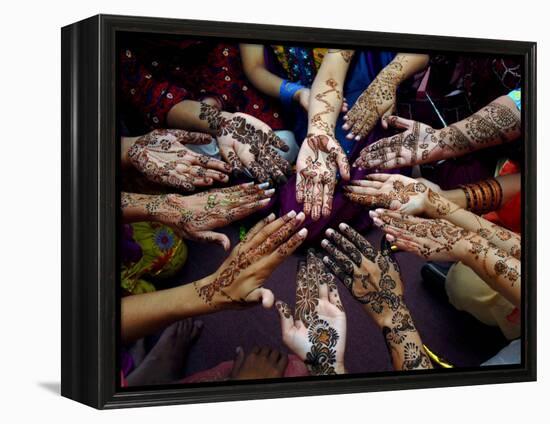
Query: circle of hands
{"points": [[316, 331]]}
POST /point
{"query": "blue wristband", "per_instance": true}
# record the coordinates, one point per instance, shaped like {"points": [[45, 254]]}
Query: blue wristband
{"points": [[287, 91]]}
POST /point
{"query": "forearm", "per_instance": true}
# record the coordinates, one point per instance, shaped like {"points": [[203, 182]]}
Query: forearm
{"points": [[499, 270], [148, 313], [252, 56], [497, 123], [403, 340], [403, 66], [327, 93], [196, 116], [440, 207]]}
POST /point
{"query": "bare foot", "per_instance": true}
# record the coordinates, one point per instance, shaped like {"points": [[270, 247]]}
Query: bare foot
{"points": [[164, 363], [259, 363]]}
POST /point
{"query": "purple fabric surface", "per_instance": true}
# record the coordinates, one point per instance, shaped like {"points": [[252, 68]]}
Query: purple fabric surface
{"points": [[452, 334]]}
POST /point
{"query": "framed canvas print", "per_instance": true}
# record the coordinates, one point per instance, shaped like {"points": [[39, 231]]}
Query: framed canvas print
{"points": [[255, 211]]}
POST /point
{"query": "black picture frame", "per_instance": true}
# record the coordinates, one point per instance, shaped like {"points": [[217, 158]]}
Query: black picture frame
{"points": [[90, 214]]}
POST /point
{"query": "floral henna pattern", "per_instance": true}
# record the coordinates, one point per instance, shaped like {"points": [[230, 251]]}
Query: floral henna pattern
{"points": [[321, 358], [245, 140], [162, 157], [420, 143], [378, 98], [414, 357]]}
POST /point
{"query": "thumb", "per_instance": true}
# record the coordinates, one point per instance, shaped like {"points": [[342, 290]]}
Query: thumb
{"points": [[386, 115], [260, 294], [395, 121], [343, 165], [211, 236], [287, 322]]}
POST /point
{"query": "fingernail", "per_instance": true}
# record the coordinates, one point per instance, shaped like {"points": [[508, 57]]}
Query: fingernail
{"points": [[300, 216], [247, 184], [265, 201], [270, 217], [378, 222], [329, 232], [269, 192], [302, 232], [325, 259], [291, 214], [372, 214], [357, 138], [263, 185], [324, 242], [238, 350], [379, 210], [390, 238], [343, 226]]}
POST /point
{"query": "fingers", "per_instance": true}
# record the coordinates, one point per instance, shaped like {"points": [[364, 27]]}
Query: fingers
{"points": [[345, 245], [338, 271], [210, 163], [362, 199], [278, 237], [333, 295], [258, 226], [345, 263], [258, 172], [238, 362], [320, 275], [191, 137], [176, 180], [328, 196], [201, 172], [285, 313], [398, 122], [287, 248], [313, 270], [250, 198], [300, 187], [273, 227], [315, 202], [213, 237], [378, 177], [359, 241], [241, 212], [229, 154], [263, 295]]}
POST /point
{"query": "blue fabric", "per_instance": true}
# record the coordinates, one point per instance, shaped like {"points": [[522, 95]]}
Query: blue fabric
{"points": [[515, 95], [287, 91]]}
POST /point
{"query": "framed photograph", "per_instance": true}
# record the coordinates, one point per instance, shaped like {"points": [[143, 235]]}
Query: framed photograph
{"points": [[254, 211]]}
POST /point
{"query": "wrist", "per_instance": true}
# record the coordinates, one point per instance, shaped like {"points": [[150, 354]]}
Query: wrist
{"points": [[386, 318], [463, 247]]}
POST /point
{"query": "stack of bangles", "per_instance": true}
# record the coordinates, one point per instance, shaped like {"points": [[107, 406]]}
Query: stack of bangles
{"points": [[484, 196], [287, 91]]}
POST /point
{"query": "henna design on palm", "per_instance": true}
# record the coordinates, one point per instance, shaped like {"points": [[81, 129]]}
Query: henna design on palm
{"points": [[246, 142], [162, 157]]}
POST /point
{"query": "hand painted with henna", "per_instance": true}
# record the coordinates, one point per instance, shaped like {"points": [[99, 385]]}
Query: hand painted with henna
{"points": [[319, 158], [194, 217], [433, 239], [239, 280], [246, 142], [373, 279], [399, 193], [162, 157], [317, 332], [417, 144]]}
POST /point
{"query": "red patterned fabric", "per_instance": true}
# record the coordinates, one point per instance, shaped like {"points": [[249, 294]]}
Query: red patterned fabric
{"points": [[157, 74]]}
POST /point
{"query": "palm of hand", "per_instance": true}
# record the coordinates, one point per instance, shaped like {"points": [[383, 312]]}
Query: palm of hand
{"points": [[245, 140], [162, 157], [316, 174]]}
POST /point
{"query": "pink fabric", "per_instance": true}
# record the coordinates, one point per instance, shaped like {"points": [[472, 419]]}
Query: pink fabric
{"points": [[295, 368]]}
